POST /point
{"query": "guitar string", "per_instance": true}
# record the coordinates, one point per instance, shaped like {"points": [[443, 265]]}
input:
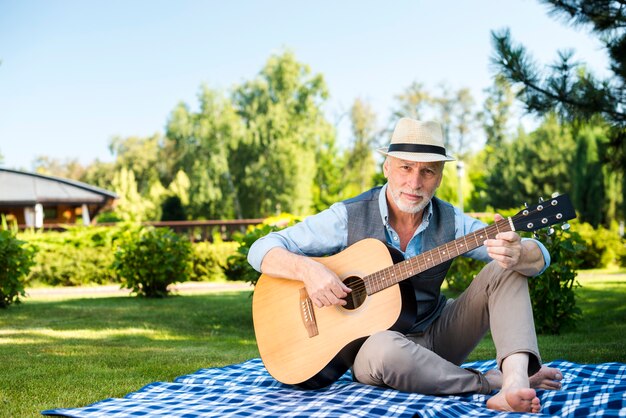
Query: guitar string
{"points": [[361, 286], [379, 281]]}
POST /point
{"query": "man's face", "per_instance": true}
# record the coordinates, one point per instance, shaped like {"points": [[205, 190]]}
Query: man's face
{"points": [[412, 184]]}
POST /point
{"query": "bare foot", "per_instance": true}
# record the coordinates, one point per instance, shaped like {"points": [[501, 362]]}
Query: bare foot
{"points": [[515, 400], [546, 378]]}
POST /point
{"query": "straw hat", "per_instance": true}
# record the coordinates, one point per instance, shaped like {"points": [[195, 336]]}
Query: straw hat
{"points": [[413, 140]]}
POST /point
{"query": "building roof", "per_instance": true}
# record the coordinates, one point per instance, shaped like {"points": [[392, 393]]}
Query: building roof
{"points": [[23, 188]]}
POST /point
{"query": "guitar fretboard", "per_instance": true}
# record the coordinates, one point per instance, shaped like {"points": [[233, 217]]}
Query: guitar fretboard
{"points": [[396, 273]]}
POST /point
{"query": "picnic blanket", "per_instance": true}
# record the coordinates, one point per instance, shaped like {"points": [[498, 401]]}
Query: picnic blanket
{"points": [[246, 389]]}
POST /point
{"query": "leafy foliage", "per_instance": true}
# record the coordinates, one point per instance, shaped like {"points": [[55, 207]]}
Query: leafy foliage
{"points": [[16, 259], [209, 259], [149, 259], [567, 87], [199, 144], [603, 247], [80, 255], [274, 165], [237, 266], [534, 165], [462, 272], [552, 293]]}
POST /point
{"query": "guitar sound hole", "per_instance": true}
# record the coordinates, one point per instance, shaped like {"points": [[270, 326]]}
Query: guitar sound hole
{"points": [[358, 294]]}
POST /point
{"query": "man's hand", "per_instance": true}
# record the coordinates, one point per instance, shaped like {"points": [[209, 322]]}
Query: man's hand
{"points": [[323, 285], [508, 250]]}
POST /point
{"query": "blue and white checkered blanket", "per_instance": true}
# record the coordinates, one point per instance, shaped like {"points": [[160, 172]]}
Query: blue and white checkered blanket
{"points": [[246, 389]]}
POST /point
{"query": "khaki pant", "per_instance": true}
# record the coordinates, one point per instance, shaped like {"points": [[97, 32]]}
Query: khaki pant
{"points": [[428, 363]]}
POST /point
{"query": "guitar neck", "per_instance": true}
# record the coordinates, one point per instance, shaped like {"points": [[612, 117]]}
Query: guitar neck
{"points": [[403, 270]]}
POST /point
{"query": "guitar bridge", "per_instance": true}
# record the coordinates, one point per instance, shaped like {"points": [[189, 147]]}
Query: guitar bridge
{"points": [[307, 313]]}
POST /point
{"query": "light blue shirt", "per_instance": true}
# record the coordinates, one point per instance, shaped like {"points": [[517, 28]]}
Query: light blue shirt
{"points": [[327, 233]]}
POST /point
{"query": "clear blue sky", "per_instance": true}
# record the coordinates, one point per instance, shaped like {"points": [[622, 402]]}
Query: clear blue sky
{"points": [[76, 73]]}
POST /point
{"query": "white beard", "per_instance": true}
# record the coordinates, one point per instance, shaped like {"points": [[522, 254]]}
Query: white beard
{"points": [[410, 208]]}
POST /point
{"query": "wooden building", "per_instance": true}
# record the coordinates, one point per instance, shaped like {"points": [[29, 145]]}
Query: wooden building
{"points": [[35, 200]]}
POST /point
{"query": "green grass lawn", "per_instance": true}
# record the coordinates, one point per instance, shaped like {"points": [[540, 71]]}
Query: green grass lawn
{"points": [[71, 351]]}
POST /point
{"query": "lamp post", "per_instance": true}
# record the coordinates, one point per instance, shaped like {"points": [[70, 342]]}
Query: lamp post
{"points": [[460, 171]]}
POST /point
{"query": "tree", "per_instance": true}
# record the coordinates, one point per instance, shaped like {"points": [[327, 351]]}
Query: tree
{"points": [[454, 110], [359, 158], [413, 102], [494, 117], [100, 174], [588, 180], [130, 205], [69, 169], [328, 184], [199, 144], [464, 118], [533, 165], [497, 112], [274, 163], [142, 156], [568, 88]]}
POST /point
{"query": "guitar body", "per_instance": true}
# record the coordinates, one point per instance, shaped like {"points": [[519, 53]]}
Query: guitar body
{"points": [[295, 355]]}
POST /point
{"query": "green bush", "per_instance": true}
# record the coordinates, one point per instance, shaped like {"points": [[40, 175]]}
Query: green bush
{"points": [[603, 247], [552, 293], [208, 260], [462, 272], [16, 259], [237, 266], [78, 256], [149, 259]]}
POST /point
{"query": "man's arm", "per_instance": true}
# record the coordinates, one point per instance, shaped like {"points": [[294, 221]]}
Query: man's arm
{"points": [[285, 254], [322, 284]]}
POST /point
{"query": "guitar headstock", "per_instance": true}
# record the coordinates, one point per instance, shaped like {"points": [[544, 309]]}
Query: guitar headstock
{"points": [[546, 213]]}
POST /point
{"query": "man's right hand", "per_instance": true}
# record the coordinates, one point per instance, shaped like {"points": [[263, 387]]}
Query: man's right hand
{"points": [[323, 285]]}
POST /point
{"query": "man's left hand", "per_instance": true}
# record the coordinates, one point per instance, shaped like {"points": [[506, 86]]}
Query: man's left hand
{"points": [[506, 249]]}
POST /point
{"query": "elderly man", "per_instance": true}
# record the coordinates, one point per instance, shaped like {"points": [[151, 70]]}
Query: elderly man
{"points": [[405, 215]]}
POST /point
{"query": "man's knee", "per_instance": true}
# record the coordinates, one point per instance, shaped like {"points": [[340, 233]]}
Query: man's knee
{"points": [[381, 351], [379, 345]]}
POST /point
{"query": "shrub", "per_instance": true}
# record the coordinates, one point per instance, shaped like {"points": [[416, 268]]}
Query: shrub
{"points": [[462, 272], [603, 247], [208, 260], [80, 255], [149, 259], [237, 266], [552, 293], [16, 259]]}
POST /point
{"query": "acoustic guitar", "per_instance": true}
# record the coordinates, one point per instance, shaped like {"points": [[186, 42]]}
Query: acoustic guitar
{"points": [[311, 347]]}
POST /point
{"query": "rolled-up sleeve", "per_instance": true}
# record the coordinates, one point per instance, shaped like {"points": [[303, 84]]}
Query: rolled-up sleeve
{"points": [[318, 235]]}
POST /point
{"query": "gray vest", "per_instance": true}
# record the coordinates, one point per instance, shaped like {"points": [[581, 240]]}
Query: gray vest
{"points": [[365, 221]]}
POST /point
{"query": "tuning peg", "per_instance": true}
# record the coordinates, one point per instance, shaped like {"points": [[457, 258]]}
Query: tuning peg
{"points": [[550, 231], [555, 194], [540, 199], [526, 205], [565, 226]]}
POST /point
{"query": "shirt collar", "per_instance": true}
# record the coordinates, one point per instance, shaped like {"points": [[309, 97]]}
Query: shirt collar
{"points": [[384, 210]]}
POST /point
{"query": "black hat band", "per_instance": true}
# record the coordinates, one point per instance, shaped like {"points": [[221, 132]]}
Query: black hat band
{"points": [[420, 148]]}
